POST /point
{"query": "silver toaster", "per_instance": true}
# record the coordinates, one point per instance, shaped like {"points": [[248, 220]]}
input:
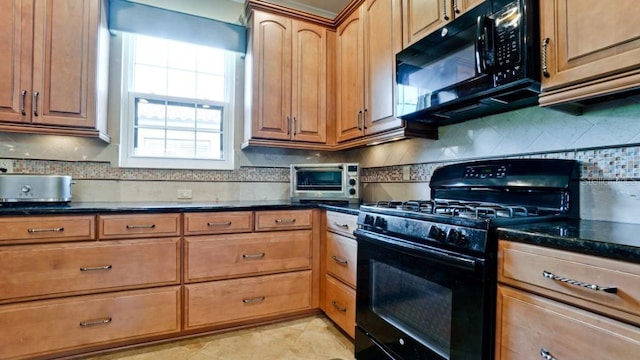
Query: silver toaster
{"points": [[24, 188]]}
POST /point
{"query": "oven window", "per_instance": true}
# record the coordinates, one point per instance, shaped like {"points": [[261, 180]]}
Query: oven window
{"points": [[319, 180], [417, 306]]}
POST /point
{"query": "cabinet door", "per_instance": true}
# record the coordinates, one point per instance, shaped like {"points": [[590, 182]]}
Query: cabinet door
{"points": [[588, 39], [16, 22], [308, 79], [462, 6], [350, 77], [64, 56], [532, 327], [272, 77], [422, 17], [380, 66]]}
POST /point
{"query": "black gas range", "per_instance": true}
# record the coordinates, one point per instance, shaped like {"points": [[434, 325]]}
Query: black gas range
{"points": [[426, 268]]}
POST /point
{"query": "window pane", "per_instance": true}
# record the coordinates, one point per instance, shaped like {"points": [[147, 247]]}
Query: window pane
{"points": [[211, 87], [150, 113], [150, 79], [151, 51], [209, 118], [209, 146], [180, 144], [180, 115], [211, 60], [182, 83], [182, 56], [150, 142]]}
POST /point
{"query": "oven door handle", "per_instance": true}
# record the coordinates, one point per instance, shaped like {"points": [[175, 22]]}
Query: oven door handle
{"points": [[440, 256]]}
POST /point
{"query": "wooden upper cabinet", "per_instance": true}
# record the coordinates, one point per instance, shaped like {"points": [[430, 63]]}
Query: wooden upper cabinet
{"points": [[380, 70], [287, 79], [58, 60], [272, 77], [589, 40], [350, 77], [309, 82], [16, 33], [366, 70], [422, 17]]}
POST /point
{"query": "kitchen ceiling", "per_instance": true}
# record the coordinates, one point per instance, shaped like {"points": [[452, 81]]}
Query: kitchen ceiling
{"points": [[324, 8]]}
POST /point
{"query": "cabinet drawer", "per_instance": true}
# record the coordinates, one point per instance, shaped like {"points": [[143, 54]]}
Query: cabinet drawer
{"points": [[341, 223], [29, 229], [138, 225], [341, 305], [283, 220], [523, 265], [341, 258], [531, 324], [221, 256], [53, 269], [224, 301], [39, 327], [218, 222]]}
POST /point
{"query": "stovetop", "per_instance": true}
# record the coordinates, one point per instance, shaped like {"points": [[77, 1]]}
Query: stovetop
{"points": [[464, 213], [471, 199]]}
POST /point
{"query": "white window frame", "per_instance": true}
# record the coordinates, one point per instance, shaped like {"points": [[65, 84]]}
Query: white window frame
{"points": [[127, 159]]}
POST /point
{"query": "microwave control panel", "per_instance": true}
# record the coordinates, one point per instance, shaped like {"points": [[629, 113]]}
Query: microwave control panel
{"points": [[353, 180], [508, 44]]}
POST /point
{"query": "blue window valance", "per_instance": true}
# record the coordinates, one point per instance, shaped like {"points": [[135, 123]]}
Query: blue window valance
{"points": [[152, 21]]}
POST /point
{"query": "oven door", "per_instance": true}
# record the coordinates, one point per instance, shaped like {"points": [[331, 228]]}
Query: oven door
{"points": [[417, 302]]}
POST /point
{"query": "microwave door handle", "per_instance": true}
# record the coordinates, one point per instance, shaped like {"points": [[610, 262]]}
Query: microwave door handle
{"points": [[483, 39]]}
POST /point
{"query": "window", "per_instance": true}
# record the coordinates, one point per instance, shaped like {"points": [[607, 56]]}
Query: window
{"points": [[177, 105]]}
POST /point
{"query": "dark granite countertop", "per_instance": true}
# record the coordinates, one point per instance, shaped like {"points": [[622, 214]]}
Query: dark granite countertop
{"points": [[163, 207], [613, 240]]}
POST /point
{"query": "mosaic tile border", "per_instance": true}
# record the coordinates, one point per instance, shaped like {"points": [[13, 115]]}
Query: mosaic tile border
{"points": [[606, 164], [88, 170]]}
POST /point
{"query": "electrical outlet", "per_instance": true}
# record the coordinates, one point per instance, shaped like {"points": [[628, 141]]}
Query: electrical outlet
{"points": [[6, 164], [185, 194]]}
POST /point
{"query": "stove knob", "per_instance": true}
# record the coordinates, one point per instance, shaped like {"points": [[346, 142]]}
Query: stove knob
{"points": [[368, 220], [352, 182], [437, 234], [352, 191], [380, 222], [457, 238], [25, 189]]}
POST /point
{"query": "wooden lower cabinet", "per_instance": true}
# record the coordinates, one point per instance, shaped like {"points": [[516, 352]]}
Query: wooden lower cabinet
{"points": [[48, 270], [226, 301], [339, 260], [340, 304], [220, 256], [530, 326], [47, 327]]}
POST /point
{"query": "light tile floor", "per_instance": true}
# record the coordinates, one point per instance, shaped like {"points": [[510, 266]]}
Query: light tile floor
{"points": [[311, 338]]}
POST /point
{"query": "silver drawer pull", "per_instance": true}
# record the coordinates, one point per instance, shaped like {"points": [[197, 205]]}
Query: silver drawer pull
{"points": [[60, 229], [143, 226], [96, 268], [254, 300], [90, 323], [253, 256], [344, 226], [221, 223], [337, 306], [552, 276], [285, 221], [545, 354], [339, 260]]}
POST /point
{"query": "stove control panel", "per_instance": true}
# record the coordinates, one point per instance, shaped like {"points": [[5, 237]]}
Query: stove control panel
{"points": [[420, 231], [485, 172]]}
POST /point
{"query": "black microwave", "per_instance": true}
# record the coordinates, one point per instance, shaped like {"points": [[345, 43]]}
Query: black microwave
{"points": [[483, 62]]}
